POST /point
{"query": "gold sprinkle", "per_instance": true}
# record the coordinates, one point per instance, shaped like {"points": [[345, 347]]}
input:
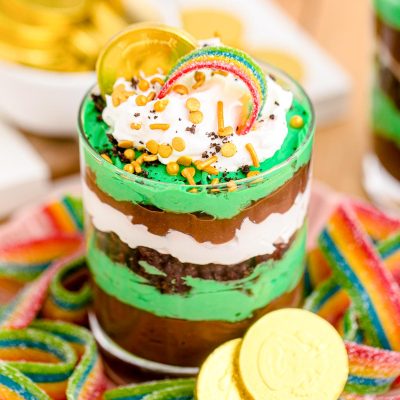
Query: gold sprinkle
{"points": [[228, 150], [192, 104], [220, 116], [181, 89], [129, 168], [193, 190], [160, 105], [220, 72], [253, 154], [157, 80], [232, 186], [211, 170], [253, 173], [141, 100], [195, 117], [215, 181], [140, 159], [186, 161], [296, 122], [203, 164], [129, 154], [200, 78], [152, 146], [135, 126], [150, 158], [164, 150], [137, 167], [162, 127], [125, 144], [172, 168], [151, 96], [143, 85], [189, 173], [107, 158], [120, 95], [178, 143], [227, 131]]}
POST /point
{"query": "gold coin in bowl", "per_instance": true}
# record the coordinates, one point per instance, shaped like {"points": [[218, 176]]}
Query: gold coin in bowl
{"points": [[141, 47]]}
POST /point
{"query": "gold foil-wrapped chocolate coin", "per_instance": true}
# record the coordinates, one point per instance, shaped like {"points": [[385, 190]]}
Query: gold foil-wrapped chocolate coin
{"points": [[141, 47], [217, 379], [293, 354]]}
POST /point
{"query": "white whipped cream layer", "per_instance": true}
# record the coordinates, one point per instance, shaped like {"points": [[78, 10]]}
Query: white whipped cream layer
{"points": [[267, 136], [250, 240]]}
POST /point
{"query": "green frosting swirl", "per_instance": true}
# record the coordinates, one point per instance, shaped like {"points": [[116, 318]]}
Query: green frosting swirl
{"points": [[208, 300], [385, 116], [388, 11]]}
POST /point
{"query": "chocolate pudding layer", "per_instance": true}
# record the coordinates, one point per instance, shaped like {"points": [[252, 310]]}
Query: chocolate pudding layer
{"points": [[388, 154], [170, 340]]}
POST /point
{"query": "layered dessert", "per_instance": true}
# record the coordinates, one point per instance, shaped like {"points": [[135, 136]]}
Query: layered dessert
{"points": [[386, 95], [195, 219], [382, 172]]}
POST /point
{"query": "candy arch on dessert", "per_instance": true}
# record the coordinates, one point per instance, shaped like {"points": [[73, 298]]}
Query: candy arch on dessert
{"points": [[229, 60]]}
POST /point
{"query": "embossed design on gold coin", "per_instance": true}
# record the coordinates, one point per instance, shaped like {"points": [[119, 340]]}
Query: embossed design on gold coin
{"points": [[141, 47], [293, 354], [217, 378]]}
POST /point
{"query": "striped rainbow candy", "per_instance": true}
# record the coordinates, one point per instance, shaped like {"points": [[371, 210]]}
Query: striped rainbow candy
{"points": [[359, 269], [371, 370], [23, 309], [87, 381], [226, 59]]}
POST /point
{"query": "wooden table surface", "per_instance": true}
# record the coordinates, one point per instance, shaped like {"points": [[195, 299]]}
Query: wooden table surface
{"points": [[344, 29]]}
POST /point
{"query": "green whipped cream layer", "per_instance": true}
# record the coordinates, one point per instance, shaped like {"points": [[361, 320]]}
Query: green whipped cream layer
{"points": [[388, 11], [208, 300], [96, 132], [385, 116], [173, 195]]}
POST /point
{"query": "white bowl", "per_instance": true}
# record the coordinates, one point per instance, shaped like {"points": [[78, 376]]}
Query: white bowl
{"points": [[42, 102], [47, 102]]}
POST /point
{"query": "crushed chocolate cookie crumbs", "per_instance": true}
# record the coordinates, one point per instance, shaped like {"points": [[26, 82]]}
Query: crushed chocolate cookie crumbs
{"points": [[99, 118], [204, 154], [245, 169], [134, 82], [277, 103], [272, 77], [112, 140], [191, 129], [99, 102], [136, 114], [272, 116]]}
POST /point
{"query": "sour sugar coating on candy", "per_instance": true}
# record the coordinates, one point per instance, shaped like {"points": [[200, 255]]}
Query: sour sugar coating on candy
{"points": [[360, 270], [229, 60]]}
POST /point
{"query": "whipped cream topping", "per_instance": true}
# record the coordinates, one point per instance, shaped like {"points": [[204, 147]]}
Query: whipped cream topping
{"points": [[202, 140]]}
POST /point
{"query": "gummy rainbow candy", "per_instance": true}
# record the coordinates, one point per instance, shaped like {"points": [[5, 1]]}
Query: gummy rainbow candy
{"points": [[65, 305], [372, 370], [359, 269], [226, 59], [24, 308]]}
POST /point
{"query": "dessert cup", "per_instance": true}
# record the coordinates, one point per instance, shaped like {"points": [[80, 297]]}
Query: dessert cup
{"points": [[176, 271], [382, 166]]}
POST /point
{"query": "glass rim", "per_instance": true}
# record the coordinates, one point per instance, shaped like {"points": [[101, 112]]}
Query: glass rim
{"points": [[269, 69]]}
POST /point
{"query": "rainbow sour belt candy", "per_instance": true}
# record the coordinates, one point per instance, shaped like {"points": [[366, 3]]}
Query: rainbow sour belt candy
{"points": [[359, 269], [225, 59]]}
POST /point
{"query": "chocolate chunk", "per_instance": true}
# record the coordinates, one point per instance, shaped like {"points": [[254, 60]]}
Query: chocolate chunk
{"points": [[99, 102]]}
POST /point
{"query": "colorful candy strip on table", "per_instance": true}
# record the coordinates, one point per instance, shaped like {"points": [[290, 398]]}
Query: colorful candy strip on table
{"points": [[68, 305], [46, 355], [359, 269], [229, 60], [372, 370], [26, 305], [182, 389]]}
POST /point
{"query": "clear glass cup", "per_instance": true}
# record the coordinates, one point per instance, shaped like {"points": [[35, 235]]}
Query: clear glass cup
{"points": [[382, 165], [164, 312]]}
